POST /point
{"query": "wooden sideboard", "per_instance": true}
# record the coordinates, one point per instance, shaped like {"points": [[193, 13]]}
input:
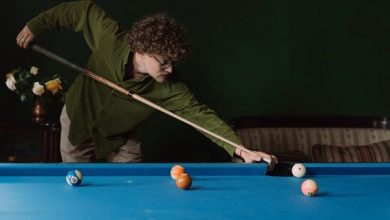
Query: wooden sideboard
{"points": [[25, 140]]}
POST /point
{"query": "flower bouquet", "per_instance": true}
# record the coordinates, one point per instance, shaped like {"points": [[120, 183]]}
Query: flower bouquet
{"points": [[31, 88]]}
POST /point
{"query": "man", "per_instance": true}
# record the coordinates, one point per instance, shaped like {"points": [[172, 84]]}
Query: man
{"points": [[99, 123]]}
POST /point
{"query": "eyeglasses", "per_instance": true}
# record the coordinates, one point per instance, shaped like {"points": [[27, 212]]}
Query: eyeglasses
{"points": [[164, 65]]}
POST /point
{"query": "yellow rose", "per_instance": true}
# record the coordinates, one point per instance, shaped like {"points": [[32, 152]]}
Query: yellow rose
{"points": [[53, 85]]}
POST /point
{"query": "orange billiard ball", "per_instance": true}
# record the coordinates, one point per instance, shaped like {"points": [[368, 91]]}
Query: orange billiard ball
{"points": [[184, 181], [309, 187], [176, 171]]}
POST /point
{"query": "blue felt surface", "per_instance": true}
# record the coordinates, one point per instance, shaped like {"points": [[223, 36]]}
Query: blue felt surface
{"points": [[139, 169], [222, 196]]}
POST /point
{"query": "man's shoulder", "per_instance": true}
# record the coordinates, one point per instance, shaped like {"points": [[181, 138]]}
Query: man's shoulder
{"points": [[175, 82], [172, 87]]}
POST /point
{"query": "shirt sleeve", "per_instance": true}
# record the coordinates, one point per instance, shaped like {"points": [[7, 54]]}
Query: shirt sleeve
{"points": [[183, 103], [81, 16]]}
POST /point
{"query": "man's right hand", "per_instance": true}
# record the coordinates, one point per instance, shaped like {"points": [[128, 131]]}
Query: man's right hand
{"points": [[25, 37]]}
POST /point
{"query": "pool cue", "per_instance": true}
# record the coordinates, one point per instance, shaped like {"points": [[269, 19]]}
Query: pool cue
{"points": [[112, 85]]}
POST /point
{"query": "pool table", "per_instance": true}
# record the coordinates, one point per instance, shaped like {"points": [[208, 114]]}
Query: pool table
{"points": [[219, 191]]}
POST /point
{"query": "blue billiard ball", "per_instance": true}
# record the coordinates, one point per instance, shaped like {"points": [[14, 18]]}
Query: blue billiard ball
{"points": [[74, 177]]}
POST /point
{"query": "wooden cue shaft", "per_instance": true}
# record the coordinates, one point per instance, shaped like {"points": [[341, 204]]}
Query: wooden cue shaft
{"points": [[135, 96]]}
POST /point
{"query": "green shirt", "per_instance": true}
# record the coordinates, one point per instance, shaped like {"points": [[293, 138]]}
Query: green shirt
{"points": [[102, 114]]}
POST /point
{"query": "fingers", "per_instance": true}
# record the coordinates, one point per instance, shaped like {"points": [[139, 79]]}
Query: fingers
{"points": [[271, 160], [25, 37], [272, 163], [23, 40]]}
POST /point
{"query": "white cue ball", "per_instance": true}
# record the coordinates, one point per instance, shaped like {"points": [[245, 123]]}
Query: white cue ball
{"points": [[298, 170]]}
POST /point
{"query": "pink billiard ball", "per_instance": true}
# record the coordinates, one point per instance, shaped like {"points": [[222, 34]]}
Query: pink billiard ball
{"points": [[309, 187], [298, 170]]}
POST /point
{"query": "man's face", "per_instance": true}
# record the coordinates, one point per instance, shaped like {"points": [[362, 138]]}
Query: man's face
{"points": [[157, 68]]}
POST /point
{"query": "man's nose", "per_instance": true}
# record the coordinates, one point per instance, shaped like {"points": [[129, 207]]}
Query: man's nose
{"points": [[169, 69]]}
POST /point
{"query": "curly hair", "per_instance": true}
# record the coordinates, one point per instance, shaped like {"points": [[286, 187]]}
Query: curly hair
{"points": [[161, 35]]}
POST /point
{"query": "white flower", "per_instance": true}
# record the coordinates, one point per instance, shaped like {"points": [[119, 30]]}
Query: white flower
{"points": [[38, 89], [34, 70], [11, 82]]}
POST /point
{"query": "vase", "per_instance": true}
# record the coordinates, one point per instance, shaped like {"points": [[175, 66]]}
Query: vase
{"points": [[39, 111]]}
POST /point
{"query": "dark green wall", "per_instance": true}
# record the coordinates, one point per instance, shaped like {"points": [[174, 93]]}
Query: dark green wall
{"points": [[253, 57]]}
